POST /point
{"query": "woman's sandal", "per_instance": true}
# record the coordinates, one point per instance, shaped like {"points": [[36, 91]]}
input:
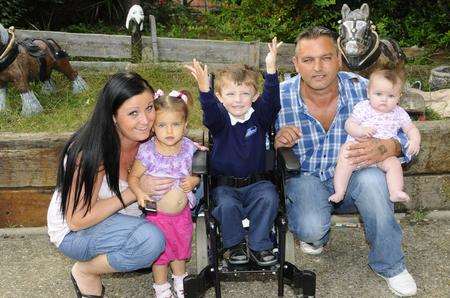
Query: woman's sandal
{"points": [[80, 295]]}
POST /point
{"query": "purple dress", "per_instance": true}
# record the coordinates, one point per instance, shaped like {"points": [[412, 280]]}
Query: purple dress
{"points": [[176, 166]]}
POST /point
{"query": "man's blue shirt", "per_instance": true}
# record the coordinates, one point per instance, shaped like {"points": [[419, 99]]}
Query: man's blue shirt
{"points": [[318, 149]]}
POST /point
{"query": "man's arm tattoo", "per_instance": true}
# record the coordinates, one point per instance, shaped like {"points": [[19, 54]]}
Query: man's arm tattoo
{"points": [[382, 149], [398, 148]]}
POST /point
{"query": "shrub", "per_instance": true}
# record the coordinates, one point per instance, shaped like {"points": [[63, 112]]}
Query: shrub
{"points": [[409, 22], [11, 11]]}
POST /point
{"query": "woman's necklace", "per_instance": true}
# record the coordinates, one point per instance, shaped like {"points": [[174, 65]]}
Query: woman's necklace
{"points": [[128, 159]]}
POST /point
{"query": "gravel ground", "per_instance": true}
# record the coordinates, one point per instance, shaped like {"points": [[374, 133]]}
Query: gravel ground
{"points": [[31, 267]]}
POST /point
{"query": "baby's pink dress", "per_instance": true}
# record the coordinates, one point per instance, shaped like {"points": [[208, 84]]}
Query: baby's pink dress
{"points": [[177, 228], [387, 124]]}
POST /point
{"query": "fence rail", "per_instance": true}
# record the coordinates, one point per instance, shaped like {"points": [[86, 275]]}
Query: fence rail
{"points": [[165, 49]]}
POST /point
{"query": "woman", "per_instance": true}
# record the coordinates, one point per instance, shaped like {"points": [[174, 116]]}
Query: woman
{"points": [[93, 217]]}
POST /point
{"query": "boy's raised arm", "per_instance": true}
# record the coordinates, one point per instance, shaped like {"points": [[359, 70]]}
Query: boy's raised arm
{"points": [[271, 58], [200, 74], [213, 118]]}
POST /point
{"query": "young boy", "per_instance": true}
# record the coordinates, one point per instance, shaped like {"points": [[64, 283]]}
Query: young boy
{"points": [[238, 119]]}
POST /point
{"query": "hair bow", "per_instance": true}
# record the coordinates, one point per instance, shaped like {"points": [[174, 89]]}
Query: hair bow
{"points": [[159, 93], [178, 94]]}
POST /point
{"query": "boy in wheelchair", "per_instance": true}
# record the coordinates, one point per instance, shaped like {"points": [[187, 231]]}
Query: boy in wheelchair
{"points": [[239, 119]]}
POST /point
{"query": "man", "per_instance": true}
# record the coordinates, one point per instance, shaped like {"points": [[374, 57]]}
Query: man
{"points": [[314, 107]]}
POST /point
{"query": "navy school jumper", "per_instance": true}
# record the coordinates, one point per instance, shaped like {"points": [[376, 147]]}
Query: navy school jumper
{"points": [[239, 150]]}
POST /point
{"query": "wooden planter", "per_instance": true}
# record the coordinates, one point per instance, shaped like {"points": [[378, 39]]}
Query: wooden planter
{"points": [[28, 165]]}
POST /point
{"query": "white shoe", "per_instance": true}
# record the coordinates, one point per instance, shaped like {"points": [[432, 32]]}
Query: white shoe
{"points": [[309, 249], [402, 284], [163, 291], [178, 284]]}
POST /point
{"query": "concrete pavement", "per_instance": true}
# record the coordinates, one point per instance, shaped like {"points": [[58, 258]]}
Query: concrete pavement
{"points": [[31, 267]]}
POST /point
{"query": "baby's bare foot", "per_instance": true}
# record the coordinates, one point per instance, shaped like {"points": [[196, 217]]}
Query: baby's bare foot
{"points": [[400, 196], [336, 198], [87, 283]]}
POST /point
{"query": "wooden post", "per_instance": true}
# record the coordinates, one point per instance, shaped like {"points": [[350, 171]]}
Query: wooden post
{"points": [[253, 54], [136, 44], [154, 38]]}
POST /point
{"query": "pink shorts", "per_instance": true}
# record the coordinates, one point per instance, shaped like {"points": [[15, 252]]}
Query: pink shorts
{"points": [[177, 229]]}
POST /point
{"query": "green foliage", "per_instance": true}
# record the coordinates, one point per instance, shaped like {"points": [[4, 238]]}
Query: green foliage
{"points": [[11, 11], [417, 217], [415, 22], [431, 114], [99, 27], [261, 20], [409, 22]]}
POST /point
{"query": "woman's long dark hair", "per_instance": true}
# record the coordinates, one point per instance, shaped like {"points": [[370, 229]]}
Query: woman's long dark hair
{"points": [[96, 144]]}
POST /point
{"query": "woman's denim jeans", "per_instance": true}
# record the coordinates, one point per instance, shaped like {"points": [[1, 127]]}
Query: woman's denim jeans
{"points": [[309, 215], [129, 242]]}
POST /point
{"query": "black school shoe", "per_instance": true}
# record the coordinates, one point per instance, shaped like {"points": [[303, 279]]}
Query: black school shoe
{"points": [[238, 254], [263, 258]]}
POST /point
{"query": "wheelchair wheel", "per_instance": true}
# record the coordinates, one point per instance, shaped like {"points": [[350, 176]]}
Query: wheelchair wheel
{"points": [[290, 248], [201, 242]]}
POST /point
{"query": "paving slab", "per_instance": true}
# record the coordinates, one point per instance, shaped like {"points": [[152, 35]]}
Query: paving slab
{"points": [[30, 266]]}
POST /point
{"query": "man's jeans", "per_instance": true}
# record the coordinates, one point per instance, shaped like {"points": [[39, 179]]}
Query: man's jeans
{"points": [[258, 202], [309, 215]]}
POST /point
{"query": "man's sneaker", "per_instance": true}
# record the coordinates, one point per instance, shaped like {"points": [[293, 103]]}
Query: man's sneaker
{"points": [[402, 284], [309, 249], [238, 254], [263, 258]]}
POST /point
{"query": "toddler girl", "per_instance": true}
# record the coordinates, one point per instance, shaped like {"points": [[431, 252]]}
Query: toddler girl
{"points": [[169, 154], [379, 117]]}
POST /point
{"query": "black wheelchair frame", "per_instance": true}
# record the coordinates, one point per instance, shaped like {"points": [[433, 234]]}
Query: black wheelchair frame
{"points": [[212, 269]]}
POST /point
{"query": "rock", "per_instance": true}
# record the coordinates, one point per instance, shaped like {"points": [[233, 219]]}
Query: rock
{"points": [[440, 77], [413, 103], [413, 52], [438, 100]]}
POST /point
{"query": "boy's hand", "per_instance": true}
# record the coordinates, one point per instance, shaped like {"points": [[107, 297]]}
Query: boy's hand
{"points": [[189, 182], [413, 147], [287, 136], [271, 58], [200, 74]]}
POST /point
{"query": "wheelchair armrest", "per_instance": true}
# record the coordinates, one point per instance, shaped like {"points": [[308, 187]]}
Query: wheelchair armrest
{"points": [[287, 160], [199, 165]]}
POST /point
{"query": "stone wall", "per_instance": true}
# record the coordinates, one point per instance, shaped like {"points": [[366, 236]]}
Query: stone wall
{"points": [[28, 164]]}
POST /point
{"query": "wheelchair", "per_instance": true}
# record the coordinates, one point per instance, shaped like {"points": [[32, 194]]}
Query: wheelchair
{"points": [[212, 267]]}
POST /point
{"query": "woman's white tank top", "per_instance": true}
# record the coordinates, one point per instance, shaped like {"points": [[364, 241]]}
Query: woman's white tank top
{"points": [[58, 227]]}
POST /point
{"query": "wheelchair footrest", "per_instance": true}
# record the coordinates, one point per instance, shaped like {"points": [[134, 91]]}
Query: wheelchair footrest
{"points": [[300, 280], [195, 285]]}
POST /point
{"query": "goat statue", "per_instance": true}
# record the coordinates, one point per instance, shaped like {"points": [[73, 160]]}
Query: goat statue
{"points": [[29, 60]]}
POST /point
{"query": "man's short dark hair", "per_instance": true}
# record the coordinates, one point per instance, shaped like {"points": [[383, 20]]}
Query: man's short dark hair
{"points": [[314, 33]]}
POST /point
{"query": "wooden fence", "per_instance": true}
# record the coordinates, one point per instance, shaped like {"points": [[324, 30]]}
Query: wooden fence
{"points": [[162, 49]]}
